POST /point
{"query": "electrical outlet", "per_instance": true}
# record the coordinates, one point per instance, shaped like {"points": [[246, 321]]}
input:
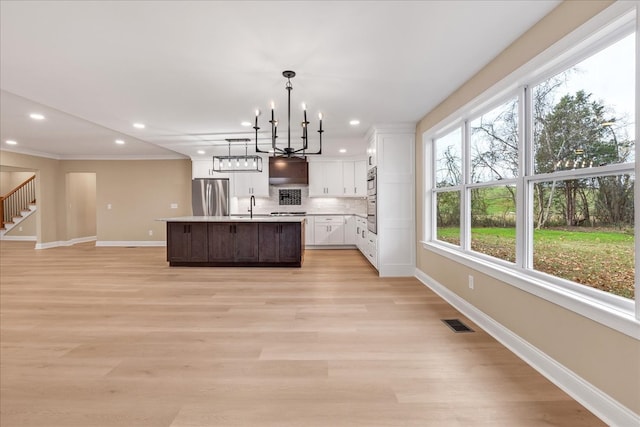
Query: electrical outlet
{"points": [[19, 228], [471, 286], [150, 232], [109, 206], [174, 206]]}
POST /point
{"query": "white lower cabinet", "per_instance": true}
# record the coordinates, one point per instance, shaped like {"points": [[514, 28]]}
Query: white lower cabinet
{"points": [[371, 249], [329, 230], [350, 237], [309, 230], [361, 233], [366, 241]]}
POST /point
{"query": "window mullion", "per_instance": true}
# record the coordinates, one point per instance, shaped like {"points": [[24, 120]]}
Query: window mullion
{"points": [[465, 193], [524, 218]]}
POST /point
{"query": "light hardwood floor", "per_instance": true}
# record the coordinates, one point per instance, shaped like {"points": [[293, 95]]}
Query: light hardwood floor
{"points": [[114, 337]]}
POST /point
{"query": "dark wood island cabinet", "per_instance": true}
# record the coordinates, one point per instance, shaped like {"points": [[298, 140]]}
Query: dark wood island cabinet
{"points": [[221, 242]]}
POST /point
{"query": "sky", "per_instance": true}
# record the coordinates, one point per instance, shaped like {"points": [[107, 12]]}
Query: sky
{"points": [[610, 76]]}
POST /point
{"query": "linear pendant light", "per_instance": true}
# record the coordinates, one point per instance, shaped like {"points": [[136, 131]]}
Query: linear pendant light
{"points": [[231, 163]]}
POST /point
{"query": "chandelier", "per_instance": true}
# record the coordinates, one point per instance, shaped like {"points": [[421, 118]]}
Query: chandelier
{"points": [[289, 151], [231, 163]]}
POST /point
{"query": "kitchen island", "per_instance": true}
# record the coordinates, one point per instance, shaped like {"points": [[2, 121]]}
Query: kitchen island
{"points": [[223, 241]]}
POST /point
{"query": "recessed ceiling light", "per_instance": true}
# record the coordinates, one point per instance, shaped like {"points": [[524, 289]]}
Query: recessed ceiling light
{"points": [[246, 124], [343, 150], [139, 125], [36, 116], [200, 151], [11, 142], [119, 141], [354, 122]]}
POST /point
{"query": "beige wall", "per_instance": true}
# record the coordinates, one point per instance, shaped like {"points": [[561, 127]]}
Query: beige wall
{"points": [[26, 228], [603, 357], [81, 205], [11, 179], [46, 190], [138, 190]]}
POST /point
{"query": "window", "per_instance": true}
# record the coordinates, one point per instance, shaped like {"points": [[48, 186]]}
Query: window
{"points": [[544, 182], [448, 217], [448, 177], [493, 221], [494, 144], [599, 254], [449, 159]]}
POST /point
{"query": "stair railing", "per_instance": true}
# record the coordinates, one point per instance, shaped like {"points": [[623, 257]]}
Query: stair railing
{"points": [[17, 200]]}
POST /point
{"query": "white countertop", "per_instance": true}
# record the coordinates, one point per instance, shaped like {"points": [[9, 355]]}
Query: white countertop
{"points": [[233, 219]]}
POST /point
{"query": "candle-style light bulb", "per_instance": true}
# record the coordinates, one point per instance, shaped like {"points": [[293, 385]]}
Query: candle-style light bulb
{"points": [[257, 114], [304, 106], [320, 117]]}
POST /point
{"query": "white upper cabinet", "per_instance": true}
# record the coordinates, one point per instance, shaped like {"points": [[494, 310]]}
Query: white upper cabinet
{"points": [[204, 169], [247, 184], [325, 179], [355, 178], [372, 149], [338, 178]]}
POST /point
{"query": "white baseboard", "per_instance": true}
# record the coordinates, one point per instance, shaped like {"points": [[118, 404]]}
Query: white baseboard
{"points": [[48, 245], [71, 242], [19, 238], [81, 240], [127, 243], [601, 404]]}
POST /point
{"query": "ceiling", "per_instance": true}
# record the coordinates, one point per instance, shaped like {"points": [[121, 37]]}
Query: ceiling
{"points": [[192, 71]]}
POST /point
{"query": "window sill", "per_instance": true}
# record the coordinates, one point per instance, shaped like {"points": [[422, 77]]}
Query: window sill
{"points": [[617, 314]]}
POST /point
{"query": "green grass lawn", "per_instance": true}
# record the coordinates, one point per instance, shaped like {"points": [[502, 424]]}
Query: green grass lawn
{"points": [[603, 259]]}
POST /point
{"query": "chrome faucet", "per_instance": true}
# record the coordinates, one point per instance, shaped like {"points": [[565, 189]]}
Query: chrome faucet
{"points": [[252, 203]]}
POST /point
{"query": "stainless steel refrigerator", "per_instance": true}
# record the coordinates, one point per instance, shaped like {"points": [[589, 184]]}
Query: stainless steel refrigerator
{"points": [[210, 197]]}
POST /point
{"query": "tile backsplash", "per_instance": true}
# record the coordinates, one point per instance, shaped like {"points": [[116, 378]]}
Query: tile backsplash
{"points": [[319, 205]]}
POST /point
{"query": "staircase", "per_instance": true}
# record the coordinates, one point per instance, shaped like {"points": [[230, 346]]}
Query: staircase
{"points": [[17, 205]]}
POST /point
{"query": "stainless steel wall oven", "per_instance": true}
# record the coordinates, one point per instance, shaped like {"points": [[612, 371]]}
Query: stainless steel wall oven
{"points": [[372, 196]]}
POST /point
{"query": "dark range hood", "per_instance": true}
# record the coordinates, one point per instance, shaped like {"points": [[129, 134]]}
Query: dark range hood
{"points": [[288, 170]]}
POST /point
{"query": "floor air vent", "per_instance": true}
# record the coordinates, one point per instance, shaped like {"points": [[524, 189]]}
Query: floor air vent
{"points": [[457, 326]]}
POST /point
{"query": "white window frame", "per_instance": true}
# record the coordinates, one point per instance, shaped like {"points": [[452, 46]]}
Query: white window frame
{"points": [[619, 313]]}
